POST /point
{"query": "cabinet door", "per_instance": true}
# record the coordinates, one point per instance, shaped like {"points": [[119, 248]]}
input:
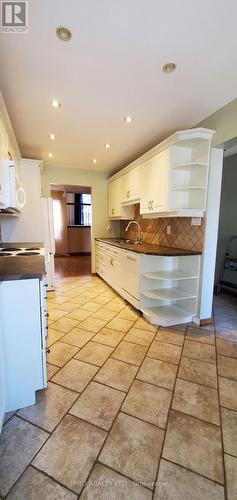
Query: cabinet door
{"points": [[114, 198], [159, 186], [146, 186], [124, 187], [134, 183]]}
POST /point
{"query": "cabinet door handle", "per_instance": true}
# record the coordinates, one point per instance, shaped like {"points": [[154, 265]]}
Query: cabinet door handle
{"points": [[128, 194], [112, 262], [152, 201], [131, 258], [112, 211], [149, 205]]}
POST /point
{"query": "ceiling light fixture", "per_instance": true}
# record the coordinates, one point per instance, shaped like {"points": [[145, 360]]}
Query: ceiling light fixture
{"points": [[107, 145], [63, 33], [55, 103], [52, 137], [50, 155], [128, 119], [169, 67], [94, 160]]}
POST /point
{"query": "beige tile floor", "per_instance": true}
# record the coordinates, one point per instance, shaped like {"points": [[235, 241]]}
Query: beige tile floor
{"points": [[131, 412]]}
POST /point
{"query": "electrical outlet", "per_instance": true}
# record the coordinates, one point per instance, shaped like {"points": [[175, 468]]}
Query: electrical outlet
{"points": [[196, 221], [168, 229]]}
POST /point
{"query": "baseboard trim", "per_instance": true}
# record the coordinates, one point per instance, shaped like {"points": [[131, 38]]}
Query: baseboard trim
{"points": [[203, 322]]}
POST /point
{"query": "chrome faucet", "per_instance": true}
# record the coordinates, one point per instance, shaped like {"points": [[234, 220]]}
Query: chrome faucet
{"points": [[140, 236]]}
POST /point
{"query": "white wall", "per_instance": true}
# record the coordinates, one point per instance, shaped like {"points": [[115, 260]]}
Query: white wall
{"points": [[99, 190], [28, 226]]}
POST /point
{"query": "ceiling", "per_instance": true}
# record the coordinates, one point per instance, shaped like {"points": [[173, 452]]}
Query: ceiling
{"points": [[112, 68]]}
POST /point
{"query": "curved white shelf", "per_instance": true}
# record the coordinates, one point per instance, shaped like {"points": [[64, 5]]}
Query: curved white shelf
{"points": [[168, 294], [167, 315], [189, 165], [169, 275]]}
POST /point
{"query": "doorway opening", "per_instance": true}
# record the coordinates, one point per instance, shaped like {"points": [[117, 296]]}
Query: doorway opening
{"points": [[225, 298], [72, 214]]}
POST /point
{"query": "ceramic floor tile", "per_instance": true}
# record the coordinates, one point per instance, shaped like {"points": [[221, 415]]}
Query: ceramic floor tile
{"points": [[53, 336], [198, 350], [116, 374], [60, 353], [79, 300], [65, 324], [70, 452], [93, 324], [165, 352], [51, 370], [57, 314], [19, 442], [133, 448], [227, 367], [158, 373], [102, 300], [171, 336], [111, 306], [8, 415], [75, 375], [194, 444], [122, 325], [200, 335], [78, 337], [109, 337], [137, 336], [79, 314], [130, 353], [227, 348], [148, 403], [106, 484], [50, 306], [228, 393], [58, 299], [176, 483], [231, 476], [103, 314], [196, 400], [51, 405], [69, 306], [94, 353], [226, 334], [128, 313], [198, 371], [35, 485], [229, 428], [98, 405], [91, 307], [144, 325]]}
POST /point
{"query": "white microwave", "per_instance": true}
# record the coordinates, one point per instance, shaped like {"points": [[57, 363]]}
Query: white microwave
{"points": [[12, 194]]}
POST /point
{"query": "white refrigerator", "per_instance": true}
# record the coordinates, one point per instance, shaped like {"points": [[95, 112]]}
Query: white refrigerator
{"points": [[49, 240]]}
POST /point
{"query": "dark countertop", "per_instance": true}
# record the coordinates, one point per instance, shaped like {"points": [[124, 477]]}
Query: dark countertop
{"points": [[21, 244], [21, 268], [148, 248]]}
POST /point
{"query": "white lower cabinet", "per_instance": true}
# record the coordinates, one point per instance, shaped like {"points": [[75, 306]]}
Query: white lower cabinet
{"points": [[164, 288], [24, 330]]}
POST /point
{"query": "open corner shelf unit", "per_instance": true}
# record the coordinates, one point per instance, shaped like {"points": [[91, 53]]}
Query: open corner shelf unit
{"points": [[169, 288]]}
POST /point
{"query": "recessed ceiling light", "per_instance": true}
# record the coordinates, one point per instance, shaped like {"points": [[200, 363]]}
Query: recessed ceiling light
{"points": [[107, 145], [55, 103], [52, 137], [128, 119], [63, 33], [169, 67], [50, 155], [94, 160]]}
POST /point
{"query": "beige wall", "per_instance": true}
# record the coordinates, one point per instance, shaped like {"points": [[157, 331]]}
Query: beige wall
{"points": [[79, 239], [98, 183], [224, 122]]}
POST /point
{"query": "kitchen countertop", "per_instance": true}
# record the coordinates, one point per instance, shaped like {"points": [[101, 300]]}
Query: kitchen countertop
{"points": [[21, 268], [148, 248]]}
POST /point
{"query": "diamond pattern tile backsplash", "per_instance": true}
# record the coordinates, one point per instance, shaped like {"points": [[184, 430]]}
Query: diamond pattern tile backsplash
{"points": [[183, 235]]}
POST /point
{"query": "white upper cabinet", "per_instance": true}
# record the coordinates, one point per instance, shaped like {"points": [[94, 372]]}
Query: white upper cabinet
{"points": [[116, 210], [130, 186], [169, 181]]}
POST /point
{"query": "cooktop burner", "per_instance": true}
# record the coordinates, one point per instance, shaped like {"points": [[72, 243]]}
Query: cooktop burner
{"points": [[4, 254], [12, 249], [32, 248], [24, 254]]}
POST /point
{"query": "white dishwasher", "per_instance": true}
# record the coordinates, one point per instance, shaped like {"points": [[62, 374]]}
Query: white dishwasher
{"points": [[131, 274]]}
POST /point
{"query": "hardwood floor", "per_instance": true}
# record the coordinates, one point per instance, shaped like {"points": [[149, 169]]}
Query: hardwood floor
{"points": [[78, 265]]}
